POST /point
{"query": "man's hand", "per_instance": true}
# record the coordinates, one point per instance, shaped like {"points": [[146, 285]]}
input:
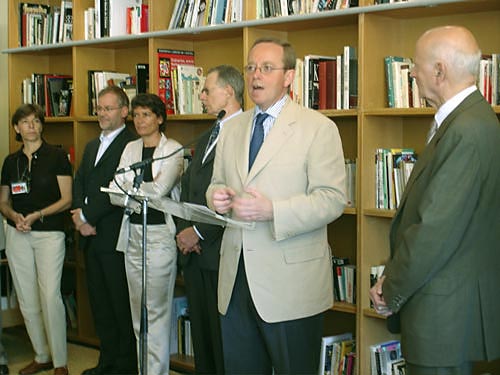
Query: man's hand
{"points": [[87, 230], [253, 206], [76, 217], [188, 241], [377, 297], [222, 200]]}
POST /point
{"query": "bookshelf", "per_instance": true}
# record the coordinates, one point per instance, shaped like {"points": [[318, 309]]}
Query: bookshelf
{"points": [[361, 234]]}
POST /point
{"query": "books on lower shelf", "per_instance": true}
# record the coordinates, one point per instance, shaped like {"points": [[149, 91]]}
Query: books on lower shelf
{"points": [[168, 60], [180, 328], [393, 167], [344, 280], [386, 359], [53, 92], [338, 355]]}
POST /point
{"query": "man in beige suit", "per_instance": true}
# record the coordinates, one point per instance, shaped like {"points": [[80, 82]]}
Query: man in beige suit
{"points": [[275, 281]]}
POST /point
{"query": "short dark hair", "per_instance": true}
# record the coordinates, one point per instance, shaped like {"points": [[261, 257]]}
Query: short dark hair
{"points": [[289, 56], [24, 111], [118, 92], [229, 75], [154, 103]]}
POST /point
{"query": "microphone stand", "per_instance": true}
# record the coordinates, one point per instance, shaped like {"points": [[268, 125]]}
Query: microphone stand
{"points": [[143, 331]]}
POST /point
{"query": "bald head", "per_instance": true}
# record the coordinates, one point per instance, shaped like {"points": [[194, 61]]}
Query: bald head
{"points": [[446, 62], [456, 47]]}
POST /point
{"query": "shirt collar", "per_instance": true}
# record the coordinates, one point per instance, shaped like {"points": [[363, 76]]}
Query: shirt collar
{"points": [[273, 110], [452, 103], [111, 136]]}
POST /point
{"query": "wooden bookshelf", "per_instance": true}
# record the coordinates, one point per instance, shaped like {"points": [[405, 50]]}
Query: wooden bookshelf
{"points": [[361, 234]]}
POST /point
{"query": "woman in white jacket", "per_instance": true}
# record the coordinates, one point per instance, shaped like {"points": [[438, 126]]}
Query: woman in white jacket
{"points": [[158, 180]]}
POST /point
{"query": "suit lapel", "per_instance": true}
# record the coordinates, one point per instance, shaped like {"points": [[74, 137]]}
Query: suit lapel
{"points": [[429, 150], [274, 141]]}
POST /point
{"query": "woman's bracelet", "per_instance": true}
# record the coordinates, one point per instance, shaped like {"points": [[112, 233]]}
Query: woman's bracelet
{"points": [[41, 216]]}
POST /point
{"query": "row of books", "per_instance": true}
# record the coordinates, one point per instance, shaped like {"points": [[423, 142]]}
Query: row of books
{"points": [[115, 17], [53, 92], [489, 79], [402, 89], [386, 359], [180, 82], [180, 328], [283, 8], [131, 84], [42, 24], [393, 167], [338, 355], [327, 82], [344, 280], [196, 13]]}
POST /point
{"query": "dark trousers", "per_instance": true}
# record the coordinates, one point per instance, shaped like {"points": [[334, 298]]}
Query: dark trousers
{"points": [[464, 369], [252, 346], [201, 291], [109, 301]]}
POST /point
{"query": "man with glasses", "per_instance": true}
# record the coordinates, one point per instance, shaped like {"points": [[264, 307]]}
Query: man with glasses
{"points": [[98, 222], [281, 166]]}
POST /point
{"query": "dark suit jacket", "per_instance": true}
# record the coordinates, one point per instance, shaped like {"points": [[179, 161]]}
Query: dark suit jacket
{"points": [[194, 185], [444, 272], [96, 205]]}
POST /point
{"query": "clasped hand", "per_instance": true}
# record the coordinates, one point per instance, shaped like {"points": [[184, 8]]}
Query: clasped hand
{"points": [[23, 223], [84, 228], [249, 206], [377, 297]]}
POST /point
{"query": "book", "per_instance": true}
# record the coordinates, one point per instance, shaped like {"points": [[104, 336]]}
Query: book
{"points": [[311, 79], [350, 78], [59, 90], [142, 78], [118, 15], [66, 21], [190, 81], [168, 59], [33, 20], [328, 84], [327, 344]]}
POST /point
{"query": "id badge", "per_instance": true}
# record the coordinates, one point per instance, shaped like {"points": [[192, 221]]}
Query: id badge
{"points": [[20, 187]]}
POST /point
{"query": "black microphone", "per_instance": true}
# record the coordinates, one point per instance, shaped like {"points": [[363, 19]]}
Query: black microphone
{"points": [[141, 164]]}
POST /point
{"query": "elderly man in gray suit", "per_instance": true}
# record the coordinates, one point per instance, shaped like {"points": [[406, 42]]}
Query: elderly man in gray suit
{"points": [[443, 276]]}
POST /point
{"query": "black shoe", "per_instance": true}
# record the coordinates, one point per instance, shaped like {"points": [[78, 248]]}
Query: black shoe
{"points": [[4, 370]]}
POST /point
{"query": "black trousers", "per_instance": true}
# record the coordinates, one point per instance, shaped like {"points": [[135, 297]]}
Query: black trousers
{"points": [[253, 346], [201, 290], [110, 305]]}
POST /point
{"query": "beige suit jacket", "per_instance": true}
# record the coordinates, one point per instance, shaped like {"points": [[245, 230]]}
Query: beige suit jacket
{"points": [[300, 168]]}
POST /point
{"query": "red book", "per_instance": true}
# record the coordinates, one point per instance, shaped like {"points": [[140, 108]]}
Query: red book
{"points": [[327, 84]]}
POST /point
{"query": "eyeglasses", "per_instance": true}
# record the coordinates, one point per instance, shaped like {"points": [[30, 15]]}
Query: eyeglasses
{"points": [[264, 69], [106, 109]]}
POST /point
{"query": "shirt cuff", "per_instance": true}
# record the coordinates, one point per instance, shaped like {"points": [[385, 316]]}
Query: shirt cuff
{"points": [[82, 217], [197, 232]]}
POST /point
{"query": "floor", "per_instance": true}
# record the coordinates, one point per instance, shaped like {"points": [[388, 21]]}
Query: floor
{"points": [[16, 343]]}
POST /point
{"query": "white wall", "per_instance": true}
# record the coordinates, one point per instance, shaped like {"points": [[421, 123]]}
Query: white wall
{"points": [[4, 98]]}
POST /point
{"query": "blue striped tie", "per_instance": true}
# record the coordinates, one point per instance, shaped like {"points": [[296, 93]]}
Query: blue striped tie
{"points": [[257, 138]]}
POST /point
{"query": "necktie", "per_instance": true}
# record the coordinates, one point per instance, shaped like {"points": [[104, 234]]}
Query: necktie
{"points": [[213, 136], [257, 138], [432, 131]]}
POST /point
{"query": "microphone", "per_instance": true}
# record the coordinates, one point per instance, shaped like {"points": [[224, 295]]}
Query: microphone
{"points": [[141, 164], [138, 165]]}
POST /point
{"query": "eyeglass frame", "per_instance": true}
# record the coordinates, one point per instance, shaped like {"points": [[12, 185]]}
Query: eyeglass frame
{"points": [[106, 109], [264, 69]]}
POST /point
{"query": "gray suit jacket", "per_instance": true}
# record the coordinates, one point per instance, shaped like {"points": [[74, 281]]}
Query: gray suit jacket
{"points": [[300, 167], [444, 273]]}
